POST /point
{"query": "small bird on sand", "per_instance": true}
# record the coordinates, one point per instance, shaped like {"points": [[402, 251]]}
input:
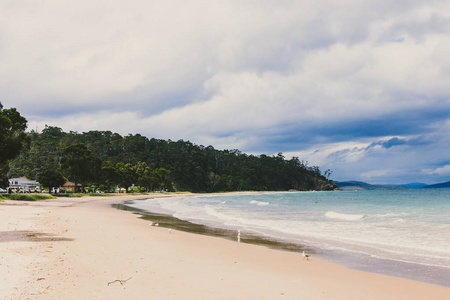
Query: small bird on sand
{"points": [[305, 256], [170, 230]]}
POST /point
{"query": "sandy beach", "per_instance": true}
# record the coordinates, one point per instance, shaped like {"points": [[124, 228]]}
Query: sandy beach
{"points": [[81, 248]]}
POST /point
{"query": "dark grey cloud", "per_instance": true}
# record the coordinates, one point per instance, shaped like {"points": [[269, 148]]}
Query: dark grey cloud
{"points": [[393, 142], [408, 122]]}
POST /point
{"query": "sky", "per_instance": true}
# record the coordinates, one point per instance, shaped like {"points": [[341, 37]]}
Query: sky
{"points": [[358, 87]]}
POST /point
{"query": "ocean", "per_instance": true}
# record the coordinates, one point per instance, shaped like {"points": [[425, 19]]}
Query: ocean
{"points": [[403, 233]]}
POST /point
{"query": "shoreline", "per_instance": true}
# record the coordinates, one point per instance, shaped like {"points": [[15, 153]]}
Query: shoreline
{"points": [[171, 222], [85, 249], [356, 261]]}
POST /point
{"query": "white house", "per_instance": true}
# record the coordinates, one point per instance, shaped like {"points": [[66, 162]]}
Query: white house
{"points": [[22, 185]]}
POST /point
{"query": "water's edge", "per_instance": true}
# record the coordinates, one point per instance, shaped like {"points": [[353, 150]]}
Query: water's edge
{"points": [[168, 221], [357, 261]]}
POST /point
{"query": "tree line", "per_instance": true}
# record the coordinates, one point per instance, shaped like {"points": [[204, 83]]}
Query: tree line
{"points": [[12, 139], [103, 159]]}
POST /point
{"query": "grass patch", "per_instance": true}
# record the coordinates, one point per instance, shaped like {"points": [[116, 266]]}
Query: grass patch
{"points": [[75, 195], [79, 195], [28, 197], [100, 194]]}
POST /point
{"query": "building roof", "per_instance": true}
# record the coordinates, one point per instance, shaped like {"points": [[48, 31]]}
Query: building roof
{"points": [[22, 181]]}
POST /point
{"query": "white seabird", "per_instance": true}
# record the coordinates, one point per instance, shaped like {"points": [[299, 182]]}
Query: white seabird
{"points": [[305, 256]]}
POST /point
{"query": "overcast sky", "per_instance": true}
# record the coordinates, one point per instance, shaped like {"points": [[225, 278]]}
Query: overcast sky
{"points": [[358, 87]]}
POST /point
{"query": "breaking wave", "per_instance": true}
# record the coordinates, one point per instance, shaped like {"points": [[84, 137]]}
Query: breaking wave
{"points": [[259, 202], [345, 217]]}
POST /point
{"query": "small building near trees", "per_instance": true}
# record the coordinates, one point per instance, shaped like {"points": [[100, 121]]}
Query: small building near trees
{"points": [[23, 185], [70, 187]]}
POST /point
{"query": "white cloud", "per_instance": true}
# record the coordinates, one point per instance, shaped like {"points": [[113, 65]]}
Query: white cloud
{"points": [[234, 74], [122, 122], [339, 153], [382, 174], [445, 170]]}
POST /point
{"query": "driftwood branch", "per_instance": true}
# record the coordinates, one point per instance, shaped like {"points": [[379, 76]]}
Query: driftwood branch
{"points": [[121, 281]]}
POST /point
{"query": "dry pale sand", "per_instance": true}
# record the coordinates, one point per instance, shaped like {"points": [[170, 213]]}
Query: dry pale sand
{"points": [[84, 249]]}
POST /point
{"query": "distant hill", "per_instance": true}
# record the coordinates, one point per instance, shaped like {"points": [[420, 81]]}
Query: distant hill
{"points": [[359, 185], [413, 185], [437, 185]]}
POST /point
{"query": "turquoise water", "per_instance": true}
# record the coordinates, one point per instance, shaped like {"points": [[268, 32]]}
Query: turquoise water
{"points": [[401, 226]]}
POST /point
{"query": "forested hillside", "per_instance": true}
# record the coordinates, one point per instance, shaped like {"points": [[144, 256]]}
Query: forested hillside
{"points": [[442, 185], [110, 159]]}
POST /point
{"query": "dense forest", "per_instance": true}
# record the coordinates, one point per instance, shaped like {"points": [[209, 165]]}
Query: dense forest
{"points": [[103, 160]]}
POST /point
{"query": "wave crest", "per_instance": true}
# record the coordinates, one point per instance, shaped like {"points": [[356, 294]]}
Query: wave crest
{"points": [[345, 217], [259, 202]]}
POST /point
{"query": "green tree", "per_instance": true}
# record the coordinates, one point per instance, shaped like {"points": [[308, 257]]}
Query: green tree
{"points": [[79, 164], [214, 180], [162, 178], [51, 178], [12, 139], [143, 176], [109, 175], [127, 173]]}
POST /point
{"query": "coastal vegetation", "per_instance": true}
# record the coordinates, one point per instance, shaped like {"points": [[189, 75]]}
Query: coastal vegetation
{"points": [[102, 160], [12, 139], [26, 197]]}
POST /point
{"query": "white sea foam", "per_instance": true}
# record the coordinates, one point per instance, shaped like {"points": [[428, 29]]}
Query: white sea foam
{"points": [[399, 221], [259, 202], [346, 217]]}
